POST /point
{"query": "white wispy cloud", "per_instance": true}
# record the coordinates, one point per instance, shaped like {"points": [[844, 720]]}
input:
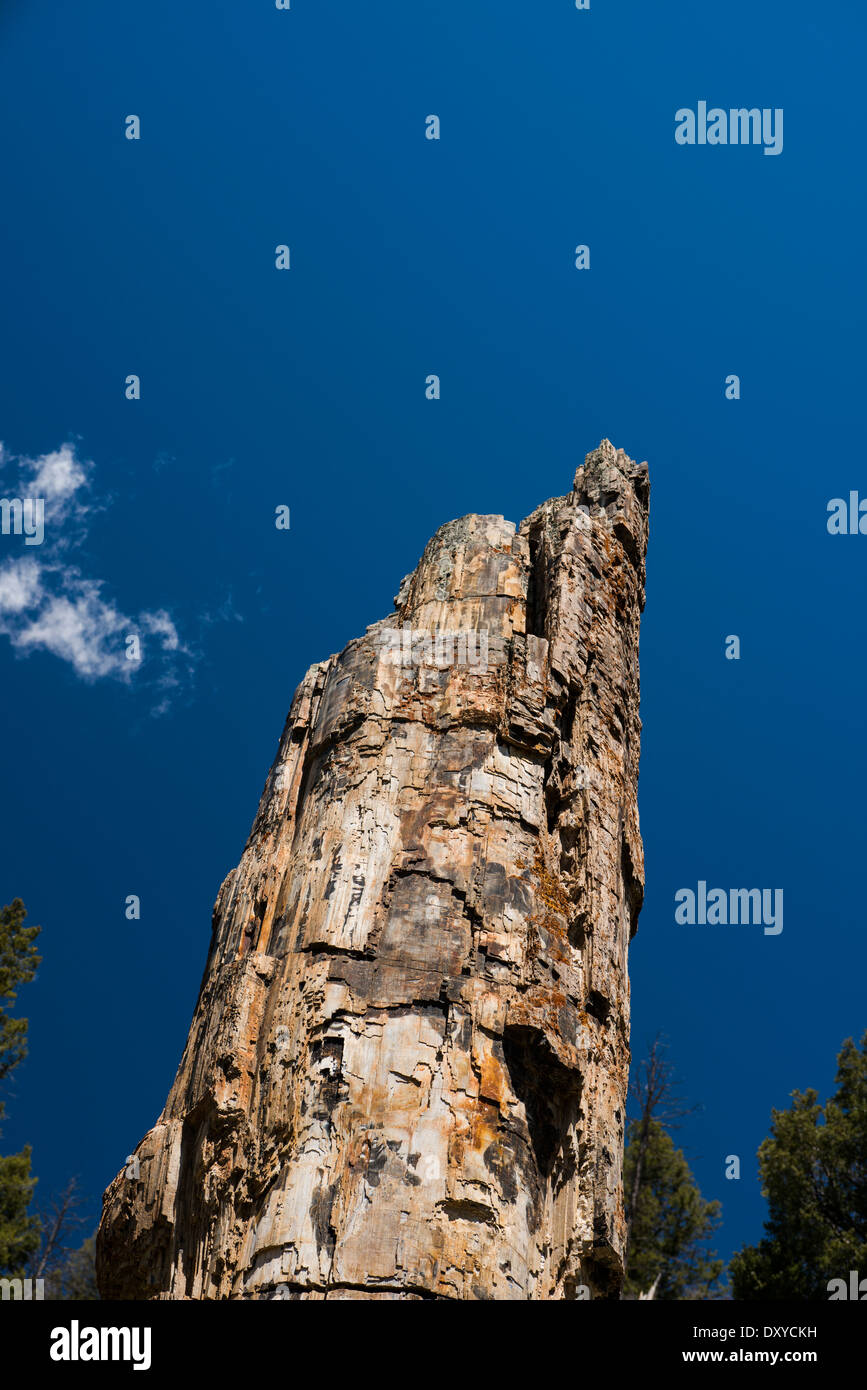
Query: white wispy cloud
{"points": [[48, 604]]}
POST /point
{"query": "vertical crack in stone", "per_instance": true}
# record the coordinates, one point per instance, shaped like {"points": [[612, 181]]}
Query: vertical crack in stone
{"points": [[406, 1073]]}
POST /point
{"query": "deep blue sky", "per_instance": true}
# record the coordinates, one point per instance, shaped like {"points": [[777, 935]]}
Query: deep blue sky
{"points": [[306, 388]]}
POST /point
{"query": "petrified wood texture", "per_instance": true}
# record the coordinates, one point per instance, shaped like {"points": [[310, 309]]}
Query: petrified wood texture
{"points": [[406, 1073]]}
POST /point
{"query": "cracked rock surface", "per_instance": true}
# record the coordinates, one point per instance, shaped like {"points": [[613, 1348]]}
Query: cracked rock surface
{"points": [[406, 1073]]}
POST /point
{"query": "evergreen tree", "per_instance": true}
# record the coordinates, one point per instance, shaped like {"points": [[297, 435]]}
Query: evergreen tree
{"points": [[814, 1175], [19, 1232], [670, 1223], [653, 1091], [68, 1271]]}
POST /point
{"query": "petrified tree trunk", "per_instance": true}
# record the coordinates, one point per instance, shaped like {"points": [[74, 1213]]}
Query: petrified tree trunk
{"points": [[406, 1074]]}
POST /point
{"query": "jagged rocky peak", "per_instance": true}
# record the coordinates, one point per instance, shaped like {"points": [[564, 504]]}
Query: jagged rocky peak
{"points": [[406, 1073]]}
